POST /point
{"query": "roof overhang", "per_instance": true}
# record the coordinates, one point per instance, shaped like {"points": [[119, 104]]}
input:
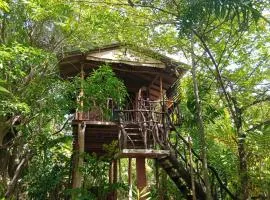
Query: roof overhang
{"points": [[136, 67]]}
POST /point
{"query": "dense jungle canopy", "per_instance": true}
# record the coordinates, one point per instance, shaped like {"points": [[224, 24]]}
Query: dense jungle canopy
{"points": [[225, 94]]}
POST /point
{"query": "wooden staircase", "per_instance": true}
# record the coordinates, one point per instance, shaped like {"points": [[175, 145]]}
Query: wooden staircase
{"points": [[178, 167], [149, 133], [134, 137], [180, 176]]}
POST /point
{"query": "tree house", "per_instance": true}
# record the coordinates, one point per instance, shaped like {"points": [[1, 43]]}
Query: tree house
{"points": [[140, 127]]}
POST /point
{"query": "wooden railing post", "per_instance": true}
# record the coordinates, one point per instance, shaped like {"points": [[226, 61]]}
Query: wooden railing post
{"points": [[81, 94], [122, 132], [113, 178]]}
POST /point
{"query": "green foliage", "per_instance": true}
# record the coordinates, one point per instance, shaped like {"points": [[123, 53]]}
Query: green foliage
{"points": [[48, 172], [103, 84], [192, 13], [138, 194], [4, 6], [95, 182], [32, 32], [2, 89], [38, 97], [81, 194]]}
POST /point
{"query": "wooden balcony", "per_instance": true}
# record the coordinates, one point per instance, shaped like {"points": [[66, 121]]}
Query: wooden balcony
{"points": [[142, 129]]}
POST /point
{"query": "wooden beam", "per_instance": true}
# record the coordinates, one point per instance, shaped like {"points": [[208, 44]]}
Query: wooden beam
{"points": [[101, 123]]}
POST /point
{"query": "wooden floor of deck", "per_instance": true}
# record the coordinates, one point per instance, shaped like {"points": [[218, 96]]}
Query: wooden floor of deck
{"points": [[145, 153]]}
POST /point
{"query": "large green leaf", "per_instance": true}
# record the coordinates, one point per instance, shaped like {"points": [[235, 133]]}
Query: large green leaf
{"points": [[4, 90]]}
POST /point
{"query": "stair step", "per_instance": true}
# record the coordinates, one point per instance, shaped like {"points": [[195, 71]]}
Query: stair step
{"points": [[132, 128], [174, 176], [135, 147], [162, 159], [166, 167], [134, 134], [165, 162], [134, 131], [134, 140]]}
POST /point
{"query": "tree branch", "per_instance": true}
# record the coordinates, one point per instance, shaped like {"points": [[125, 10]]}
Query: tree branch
{"points": [[61, 129], [258, 126], [256, 102], [17, 174], [217, 75]]}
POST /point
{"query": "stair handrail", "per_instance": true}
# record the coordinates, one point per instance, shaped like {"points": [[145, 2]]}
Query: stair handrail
{"points": [[199, 159]]}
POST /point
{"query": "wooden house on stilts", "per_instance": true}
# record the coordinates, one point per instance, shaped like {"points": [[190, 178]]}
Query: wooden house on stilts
{"points": [[142, 128]]}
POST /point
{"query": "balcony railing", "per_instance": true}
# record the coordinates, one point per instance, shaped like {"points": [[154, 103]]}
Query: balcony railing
{"points": [[149, 123], [147, 109], [98, 114]]}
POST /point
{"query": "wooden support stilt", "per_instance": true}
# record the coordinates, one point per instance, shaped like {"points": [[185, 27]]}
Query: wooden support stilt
{"points": [[141, 175], [119, 170], [115, 178], [78, 160], [110, 195], [110, 173], [75, 161], [130, 178], [79, 141], [157, 174]]}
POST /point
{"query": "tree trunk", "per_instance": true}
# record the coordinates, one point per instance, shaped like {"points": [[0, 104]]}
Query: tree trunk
{"points": [[199, 119], [243, 168], [236, 116], [17, 174], [191, 169], [4, 128]]}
